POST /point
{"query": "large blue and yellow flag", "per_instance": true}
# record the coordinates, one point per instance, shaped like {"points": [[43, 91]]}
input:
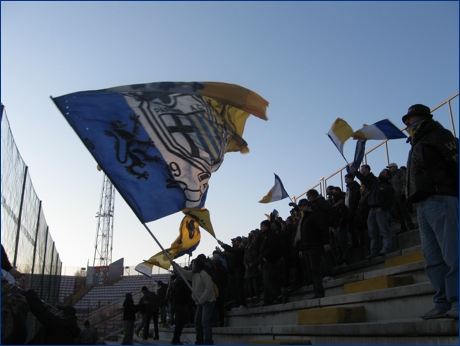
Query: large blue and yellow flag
{"points": [[159, 143], [187, 241]]}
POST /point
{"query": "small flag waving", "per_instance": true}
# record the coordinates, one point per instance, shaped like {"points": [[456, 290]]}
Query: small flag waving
{"points": [[187, 241], [339, 133], [276, 193], [359, 154], [383, 129], [159, 143]]}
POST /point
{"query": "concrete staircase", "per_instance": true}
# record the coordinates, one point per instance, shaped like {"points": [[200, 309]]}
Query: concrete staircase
{"points": [[377, 301]]}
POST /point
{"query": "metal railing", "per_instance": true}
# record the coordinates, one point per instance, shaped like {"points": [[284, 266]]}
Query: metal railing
{"points": [[322, 184]]}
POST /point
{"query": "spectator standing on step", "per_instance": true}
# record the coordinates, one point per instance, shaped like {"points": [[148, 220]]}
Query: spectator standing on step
{"points": [[143, 312], [432, 185], [152, 308], [381, 198], [398, 181], [314, 240], [129, 316]]}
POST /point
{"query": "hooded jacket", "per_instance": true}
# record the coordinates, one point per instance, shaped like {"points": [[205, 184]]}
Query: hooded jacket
{"points": [[432, 165]]}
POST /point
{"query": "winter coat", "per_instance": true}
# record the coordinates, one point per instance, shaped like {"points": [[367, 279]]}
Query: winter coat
{"points": [[314, 231], [432, 166]]}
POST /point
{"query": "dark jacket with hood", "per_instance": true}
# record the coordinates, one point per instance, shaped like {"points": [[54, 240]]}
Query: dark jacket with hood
{"points": [[432, 166]]}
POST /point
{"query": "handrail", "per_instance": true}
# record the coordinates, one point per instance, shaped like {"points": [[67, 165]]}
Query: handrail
{"points": [[323, 181]]}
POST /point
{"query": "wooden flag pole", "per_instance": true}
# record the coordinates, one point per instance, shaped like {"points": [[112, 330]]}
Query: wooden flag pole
{"points": [[170, 260]]}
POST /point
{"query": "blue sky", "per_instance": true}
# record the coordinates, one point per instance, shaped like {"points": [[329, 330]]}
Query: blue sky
{"points": [[313, 61]]}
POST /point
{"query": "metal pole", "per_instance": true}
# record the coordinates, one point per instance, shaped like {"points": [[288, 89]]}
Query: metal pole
{"points": [[170, 260], [20, 217], [35, 243]]}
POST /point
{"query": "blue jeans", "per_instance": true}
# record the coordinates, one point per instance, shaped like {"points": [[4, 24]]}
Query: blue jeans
{"points": [[378, 224], [438, 223], [203, 324]]}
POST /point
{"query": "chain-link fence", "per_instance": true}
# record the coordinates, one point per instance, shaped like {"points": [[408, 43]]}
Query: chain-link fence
{"points": [[25, 233]]}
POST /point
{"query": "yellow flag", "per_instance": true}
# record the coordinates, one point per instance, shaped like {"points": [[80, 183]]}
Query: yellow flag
{"points": [[201, 216], [187, 241]]}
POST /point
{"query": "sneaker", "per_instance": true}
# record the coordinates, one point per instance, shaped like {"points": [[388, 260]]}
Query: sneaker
{"points": [[327, 278], [172, 326], [241, 307], [382, 253], [235, 308], [156, 338], [453, 313], [261, 303], [435, 313]]}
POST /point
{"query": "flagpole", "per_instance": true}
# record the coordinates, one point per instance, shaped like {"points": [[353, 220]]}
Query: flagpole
{"points": [[170, 260]]}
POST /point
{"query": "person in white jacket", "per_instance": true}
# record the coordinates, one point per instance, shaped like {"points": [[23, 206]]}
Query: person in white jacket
{"points": [[203, 296]]}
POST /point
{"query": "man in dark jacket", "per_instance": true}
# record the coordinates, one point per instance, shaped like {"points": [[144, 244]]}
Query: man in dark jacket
{"points": [[268, 258], [152, 304], [129, 316], [181, 298], [381, 198], [432, 183], [56, 329], [327, 212], [352, 197], [314, 239], [398, 180], [238, 271]]}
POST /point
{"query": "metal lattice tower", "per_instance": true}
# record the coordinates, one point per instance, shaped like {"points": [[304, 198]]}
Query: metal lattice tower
{"points": [[104, 233]]}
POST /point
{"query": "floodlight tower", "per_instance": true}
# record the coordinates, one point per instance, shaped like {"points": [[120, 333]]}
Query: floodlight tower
{"points": [[104, 233]]}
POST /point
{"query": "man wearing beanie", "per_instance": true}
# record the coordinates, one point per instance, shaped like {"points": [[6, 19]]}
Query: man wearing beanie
{"points": [[432, 185]]}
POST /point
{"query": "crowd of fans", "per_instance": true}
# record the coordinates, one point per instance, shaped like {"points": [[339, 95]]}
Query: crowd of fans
{"points": [[282, 255]]}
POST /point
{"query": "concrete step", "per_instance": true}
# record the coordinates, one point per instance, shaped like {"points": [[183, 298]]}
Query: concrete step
{"points": [[365, 265], [380, 305], [395, 332], [404, 259], [378, 283], [332, 315], [368, 270]]}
